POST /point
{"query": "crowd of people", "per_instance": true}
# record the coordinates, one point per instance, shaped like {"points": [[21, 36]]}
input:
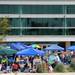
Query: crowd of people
{"points": [[30, 63], [19, 63]]}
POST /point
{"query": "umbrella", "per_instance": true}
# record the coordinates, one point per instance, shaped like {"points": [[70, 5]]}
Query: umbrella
{"points": [[35, 46], [54, 47], [71, 48]]}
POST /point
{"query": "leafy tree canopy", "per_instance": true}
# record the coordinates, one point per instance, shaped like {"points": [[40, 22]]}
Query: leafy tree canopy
{"points": [[4, 26]]}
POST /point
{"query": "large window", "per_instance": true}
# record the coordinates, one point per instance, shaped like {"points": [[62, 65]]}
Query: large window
{"points": [[14, 32], [71, 22], [36, 32], [63, 31], [14, 22], [71, 31], [9, 9], [70, 9], [37, 22], [46, 22], [37, 9], [31, 9], [42, 9]]}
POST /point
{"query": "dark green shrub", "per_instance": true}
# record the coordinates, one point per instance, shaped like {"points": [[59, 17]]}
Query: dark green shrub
{"points": [[69, 69], [72, 65], [59, 68]]}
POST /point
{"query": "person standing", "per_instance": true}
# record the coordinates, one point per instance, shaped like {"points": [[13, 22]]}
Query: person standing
{"points": [[15, 67]]}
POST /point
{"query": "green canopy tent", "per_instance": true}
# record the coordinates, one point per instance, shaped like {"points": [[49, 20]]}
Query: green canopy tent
{"points": [[7, 51], [2, 52]]}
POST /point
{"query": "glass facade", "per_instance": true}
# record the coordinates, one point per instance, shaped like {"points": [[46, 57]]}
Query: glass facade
{"points": [[31, 9], [41, 22], [70, 9], [71, 22], [19, 31], [14, 32], [36, 22], [42, 26], [31, 26], [36, 31], [37, 9]]}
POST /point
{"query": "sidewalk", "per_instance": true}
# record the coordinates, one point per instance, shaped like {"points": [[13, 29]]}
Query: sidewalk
{"points": [[39, 74]]}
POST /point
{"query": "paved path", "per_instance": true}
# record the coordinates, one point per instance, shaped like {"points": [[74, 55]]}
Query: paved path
{"points": [[39, 74]]}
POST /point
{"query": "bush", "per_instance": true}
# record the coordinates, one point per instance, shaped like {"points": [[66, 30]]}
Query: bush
{"points": [[72, 65], [69, 69], [59, 68]]}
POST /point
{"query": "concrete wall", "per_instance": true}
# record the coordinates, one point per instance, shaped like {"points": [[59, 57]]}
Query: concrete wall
{"points": [[39, 38]]}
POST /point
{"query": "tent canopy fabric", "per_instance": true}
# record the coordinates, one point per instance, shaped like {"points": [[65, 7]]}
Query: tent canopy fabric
{"points": [[71, 48], [30, 52], [24, 45], [10, 51], [54, 47], [28, 47], [27, 52], [41, 53], [2, 52], [17, 46], [7, 51]]}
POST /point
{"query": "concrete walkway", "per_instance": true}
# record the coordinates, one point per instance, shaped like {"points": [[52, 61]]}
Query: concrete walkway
{"points": [[39, 74]]}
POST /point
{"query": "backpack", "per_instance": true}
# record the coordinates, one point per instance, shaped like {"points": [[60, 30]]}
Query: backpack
{"points": [[15, 66]]}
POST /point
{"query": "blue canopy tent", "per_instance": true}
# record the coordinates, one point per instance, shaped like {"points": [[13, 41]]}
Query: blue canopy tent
{"points": [[27, 52], [71, 48], [22, 44], [54, 47], [17, 46], [30, 52], [41, 53], [27, 47]]}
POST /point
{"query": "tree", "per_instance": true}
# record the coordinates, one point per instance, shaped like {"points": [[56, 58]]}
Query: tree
{"points": [[4, 24], [4, 28]]}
